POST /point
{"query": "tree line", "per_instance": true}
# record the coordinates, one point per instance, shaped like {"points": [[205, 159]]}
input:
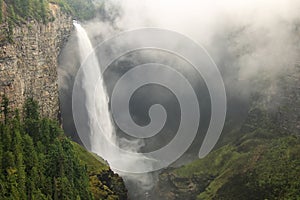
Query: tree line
{"points": [[36, 160], [24, 10], [19, 10]]}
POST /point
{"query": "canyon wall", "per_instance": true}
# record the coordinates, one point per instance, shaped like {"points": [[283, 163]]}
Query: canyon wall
{"points": [[28, 64]]}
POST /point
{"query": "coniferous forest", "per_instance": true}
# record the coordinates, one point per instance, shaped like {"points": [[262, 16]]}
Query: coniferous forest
{"points": [[37, 160], [22, 10]]}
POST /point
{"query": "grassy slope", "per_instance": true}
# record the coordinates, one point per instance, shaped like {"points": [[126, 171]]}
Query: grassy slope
{"points": [[104, 184], [93, 162], [257, 168]]}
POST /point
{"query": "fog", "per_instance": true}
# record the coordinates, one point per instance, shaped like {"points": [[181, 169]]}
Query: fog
{"points": [[252, 42]]}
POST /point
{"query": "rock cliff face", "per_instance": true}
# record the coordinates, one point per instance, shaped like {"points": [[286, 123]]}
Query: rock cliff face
{"points": [[28, 64]]}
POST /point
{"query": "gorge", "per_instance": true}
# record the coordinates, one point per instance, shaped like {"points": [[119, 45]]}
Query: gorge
{"points": [[47, 50]]}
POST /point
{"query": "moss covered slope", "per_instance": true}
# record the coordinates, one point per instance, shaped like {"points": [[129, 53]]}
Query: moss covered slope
{"points": [[104, 183], [257, 168]]}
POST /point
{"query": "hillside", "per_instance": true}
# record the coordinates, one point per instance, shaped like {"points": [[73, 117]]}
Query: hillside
{"points": [[260, 161], [257, 168], [39, 162], [104, 183]]}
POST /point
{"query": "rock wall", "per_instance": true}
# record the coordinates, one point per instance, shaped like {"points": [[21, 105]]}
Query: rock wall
{"points": [[28, 65]]}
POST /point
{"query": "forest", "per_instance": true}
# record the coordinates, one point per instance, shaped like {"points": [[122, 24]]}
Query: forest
{"points": [[17, 11], [37, 160]]}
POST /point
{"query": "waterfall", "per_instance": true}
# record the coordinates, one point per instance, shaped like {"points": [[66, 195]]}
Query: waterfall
{"points": [[91, 76], [100, 125]]}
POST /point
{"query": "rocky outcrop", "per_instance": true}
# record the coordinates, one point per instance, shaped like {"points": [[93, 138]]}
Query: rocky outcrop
{"points": [[173, 187], [107, 185], [28, 64], [104, 183]]}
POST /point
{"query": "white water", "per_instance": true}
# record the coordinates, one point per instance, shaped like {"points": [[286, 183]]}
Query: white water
{"points": [[100, 123], [91, 76]]}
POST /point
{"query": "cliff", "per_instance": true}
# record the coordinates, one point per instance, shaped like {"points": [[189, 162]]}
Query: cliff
{"points": [[29, 51], [28, 64]]}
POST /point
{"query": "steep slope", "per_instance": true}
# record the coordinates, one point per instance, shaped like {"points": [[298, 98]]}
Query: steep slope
{"points": [[38, 162], [261, 161], [104, 183], [258, 168]]}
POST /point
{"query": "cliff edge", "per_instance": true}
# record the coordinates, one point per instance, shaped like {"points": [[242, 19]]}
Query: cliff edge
{"points": [[28, 63]]}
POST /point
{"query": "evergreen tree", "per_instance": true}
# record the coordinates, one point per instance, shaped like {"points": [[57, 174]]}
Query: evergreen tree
{"points": [[18, 150], [10, 30], [31, 109], [25, 8], [6, 138], [31, 119], [43, 11], [37, 161], [4, 108], [31, 163]]}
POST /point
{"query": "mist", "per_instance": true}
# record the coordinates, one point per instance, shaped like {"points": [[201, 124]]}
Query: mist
{"points": [[251, 42]]}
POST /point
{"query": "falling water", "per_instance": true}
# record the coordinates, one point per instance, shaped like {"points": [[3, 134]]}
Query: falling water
{"points": [[102, 114], [100, 123]]}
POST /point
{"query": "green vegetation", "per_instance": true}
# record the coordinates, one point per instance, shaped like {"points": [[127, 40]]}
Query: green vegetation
{"points": [[38, 162], [81, 9], [257, 166], [23, 10], [104, 184], [17, 12]]}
